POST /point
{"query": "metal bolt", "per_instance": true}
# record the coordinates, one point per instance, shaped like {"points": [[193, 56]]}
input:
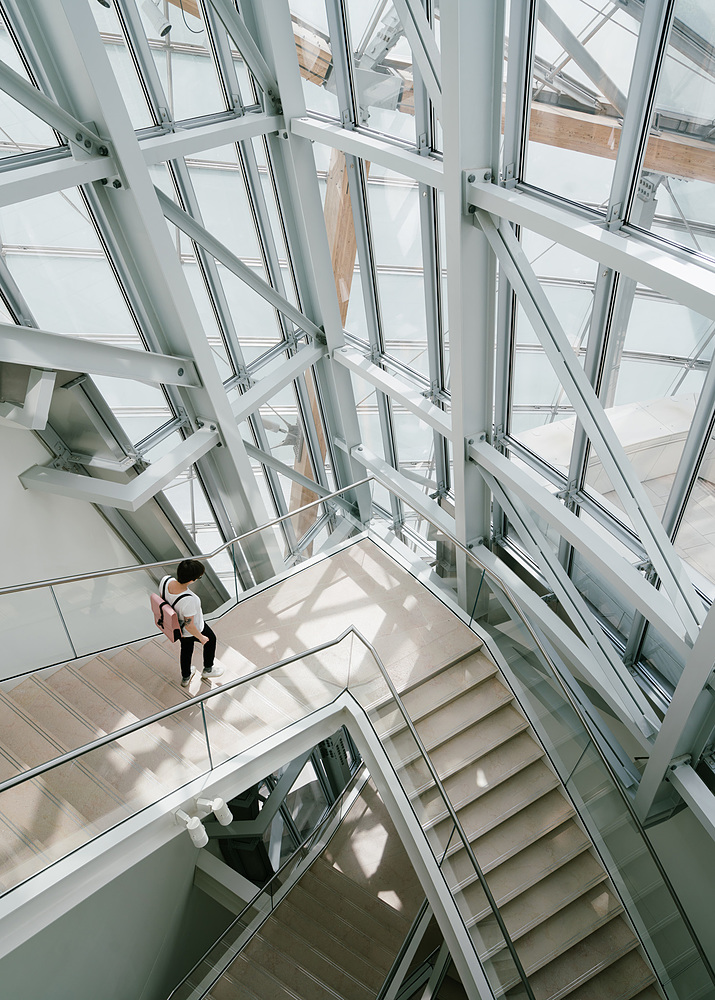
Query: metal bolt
{"points": [[471, 178], [105, 180], [470, 546], [116, 183], [78, 136], [482, 437], [213, 427], [103, 151], [285, 135], [472, 209], [199, 423], [88, 143], [359, 447], [470, 441], [487, 175], [180, 372]]}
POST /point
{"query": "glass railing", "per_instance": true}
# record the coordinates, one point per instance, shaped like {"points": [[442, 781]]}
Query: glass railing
{"points": [[218, 959], [64, 803], [570, 739], [53, 621]]}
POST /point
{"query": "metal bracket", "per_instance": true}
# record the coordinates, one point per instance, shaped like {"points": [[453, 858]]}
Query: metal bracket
{"points": [[677, 762], [509, 179], [570, 495], [422, 147], [475, 543], [645, 566], [614, 221], [374, 356], [477, 175]]}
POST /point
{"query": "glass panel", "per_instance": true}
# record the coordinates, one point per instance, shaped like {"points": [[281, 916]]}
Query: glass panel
{"points": [[107, 611], [312, 40], [695, 540], [677, 168], [54, 255], [139, 408], [581, 74], [179, 46], [382, 66], [32, 632], [48, 817], [122, 65], [22, 131]]}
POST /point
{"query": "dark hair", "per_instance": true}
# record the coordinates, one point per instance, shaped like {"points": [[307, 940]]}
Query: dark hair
{"points": [[189, 569]]}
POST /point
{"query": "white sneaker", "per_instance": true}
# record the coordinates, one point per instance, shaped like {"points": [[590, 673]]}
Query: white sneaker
{"points": [[185, 681], [215, 671]]}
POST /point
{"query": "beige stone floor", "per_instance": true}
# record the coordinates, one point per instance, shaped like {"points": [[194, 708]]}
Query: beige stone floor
{"points": [[360, 586]]}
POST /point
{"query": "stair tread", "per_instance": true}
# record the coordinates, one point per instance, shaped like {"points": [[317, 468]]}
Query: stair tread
{"points": [[628, 977], [335, 885], [440, 688], [583, 960], [273, 961]]}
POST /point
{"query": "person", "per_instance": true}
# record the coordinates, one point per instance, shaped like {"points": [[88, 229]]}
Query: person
{"points": [[191, 618]]}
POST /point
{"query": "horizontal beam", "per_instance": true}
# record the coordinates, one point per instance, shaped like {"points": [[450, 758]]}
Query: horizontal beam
{"points": [[196, 232], [405, 489], [396, 388], [682, 279], [22, 345], [35, 409], [187, 141], [616, 571], [425, 169], [267, 387], [33, 180], [124, 496]]}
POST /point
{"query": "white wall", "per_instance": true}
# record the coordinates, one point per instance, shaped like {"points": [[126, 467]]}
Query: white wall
{"points": [[132, 940], [46, 536]]}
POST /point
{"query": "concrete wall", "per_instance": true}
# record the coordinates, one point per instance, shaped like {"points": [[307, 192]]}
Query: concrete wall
{"points": [[133, 940]]}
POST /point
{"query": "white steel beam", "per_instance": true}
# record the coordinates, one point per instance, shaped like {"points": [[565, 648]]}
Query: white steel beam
{"points": [[616, 571], [425, 51], [286, 470], [404, 488], [596, 424], [396, 388], [689, 710], [195, 231], [581, 56], [567, 643], [693, 790], [689, 281], [188, 141], [267, 387], [32, 180], [22, 345], [35, 409], [124, 496], [78, 135], [246, 45], [616, 684], [425, 169], [473, 37]]}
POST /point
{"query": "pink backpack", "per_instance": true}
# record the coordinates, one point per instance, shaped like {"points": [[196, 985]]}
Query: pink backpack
{"points": [[165, 616]]}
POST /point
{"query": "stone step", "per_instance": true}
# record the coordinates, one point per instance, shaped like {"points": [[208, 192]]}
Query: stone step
{"points": [[452, 682], [539, 860], [284, 969], [499, 803], [333, 887], [498, 766], [523, 908], [312, 916], [326, 965], [628, 978], [583, 961]]}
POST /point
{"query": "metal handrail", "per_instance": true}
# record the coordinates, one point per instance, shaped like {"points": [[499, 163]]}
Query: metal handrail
{"points": [[165, 713], [304, 848], [137, 567], [453, 815], [230, 685]]}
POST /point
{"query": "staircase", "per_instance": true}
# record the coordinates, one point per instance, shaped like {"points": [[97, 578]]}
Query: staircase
{"points": [[329, 939], [556, 900], [57, 710]]}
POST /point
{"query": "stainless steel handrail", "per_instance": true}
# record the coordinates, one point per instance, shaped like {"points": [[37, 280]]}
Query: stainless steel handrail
{"points": [[361, 777], [97, 574], [165, 713]]}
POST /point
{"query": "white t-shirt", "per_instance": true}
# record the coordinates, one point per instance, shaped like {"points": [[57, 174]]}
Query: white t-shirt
{"points": [[188, 607]]}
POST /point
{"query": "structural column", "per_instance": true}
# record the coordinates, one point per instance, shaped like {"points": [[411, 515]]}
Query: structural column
{"points": [[472, 41]]}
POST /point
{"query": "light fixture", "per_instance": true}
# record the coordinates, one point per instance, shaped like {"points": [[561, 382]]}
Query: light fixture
{"points": [[161, 25], [197, 831], [219, 808]]}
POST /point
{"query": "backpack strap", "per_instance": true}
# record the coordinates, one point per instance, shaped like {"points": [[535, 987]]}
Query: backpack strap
{"points": [[176, 599]]}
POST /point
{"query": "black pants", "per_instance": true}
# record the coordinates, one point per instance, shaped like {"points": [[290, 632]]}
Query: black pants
{"points": [[187, 650]]}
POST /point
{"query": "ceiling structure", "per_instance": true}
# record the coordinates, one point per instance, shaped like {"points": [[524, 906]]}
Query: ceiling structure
{"points": [[252, 253]]}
